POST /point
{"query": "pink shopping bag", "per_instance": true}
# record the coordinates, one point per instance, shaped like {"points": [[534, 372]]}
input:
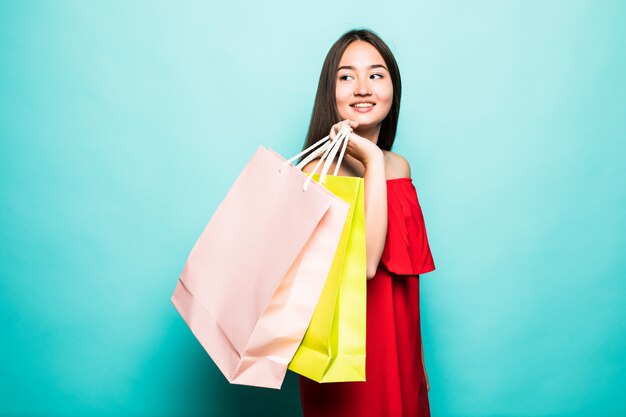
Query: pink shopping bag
{"points": [[253, 278]]}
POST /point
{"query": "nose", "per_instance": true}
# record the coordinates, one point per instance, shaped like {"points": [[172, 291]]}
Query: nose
{"points": [[362, 87]]}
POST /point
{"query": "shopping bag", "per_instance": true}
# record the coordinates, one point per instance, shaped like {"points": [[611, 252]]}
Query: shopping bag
{"points": [[333, 348], [253, 278]]}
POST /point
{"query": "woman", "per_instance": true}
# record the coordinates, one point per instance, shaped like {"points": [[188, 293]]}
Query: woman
{"points": [[360, 85]]}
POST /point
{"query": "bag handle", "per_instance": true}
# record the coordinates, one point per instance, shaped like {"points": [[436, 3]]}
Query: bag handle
{"points": [[340, 143], [329, 149]]}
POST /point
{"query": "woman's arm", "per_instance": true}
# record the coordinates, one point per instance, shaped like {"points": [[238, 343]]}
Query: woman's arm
{"points": [[376, 203], [375, 209], [372, 159], [375, 198]]}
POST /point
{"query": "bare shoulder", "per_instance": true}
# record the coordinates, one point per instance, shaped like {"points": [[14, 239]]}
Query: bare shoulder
{"points": [[396, 166]]}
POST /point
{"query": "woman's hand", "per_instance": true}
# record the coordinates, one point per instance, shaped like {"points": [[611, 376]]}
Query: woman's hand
{"points": [[360, 148]]}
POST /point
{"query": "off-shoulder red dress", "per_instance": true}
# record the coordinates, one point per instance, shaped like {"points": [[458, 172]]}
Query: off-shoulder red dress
{"points": [[396, 385]]}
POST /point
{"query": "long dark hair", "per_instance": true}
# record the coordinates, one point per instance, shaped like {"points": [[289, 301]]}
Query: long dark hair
{"points": [[325, 112]]}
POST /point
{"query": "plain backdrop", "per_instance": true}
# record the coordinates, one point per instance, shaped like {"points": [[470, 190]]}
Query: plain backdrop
{"points": [[123, 125]]}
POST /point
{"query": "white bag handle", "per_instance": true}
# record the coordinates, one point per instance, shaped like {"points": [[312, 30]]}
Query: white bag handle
{"points": [[340, 143], [329, 149]]}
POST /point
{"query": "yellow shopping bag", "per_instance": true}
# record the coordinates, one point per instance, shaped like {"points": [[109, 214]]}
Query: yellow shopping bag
{"points": [[333, 348]]}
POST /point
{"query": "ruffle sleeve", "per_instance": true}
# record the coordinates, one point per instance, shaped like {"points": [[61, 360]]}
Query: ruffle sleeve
{"points": [[406, 251]]}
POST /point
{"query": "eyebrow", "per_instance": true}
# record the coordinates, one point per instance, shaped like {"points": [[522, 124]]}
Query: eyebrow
{"points": [[370, 67]]}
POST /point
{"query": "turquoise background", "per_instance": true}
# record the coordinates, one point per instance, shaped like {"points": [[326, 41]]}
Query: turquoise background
{"points": [[123, 124]]}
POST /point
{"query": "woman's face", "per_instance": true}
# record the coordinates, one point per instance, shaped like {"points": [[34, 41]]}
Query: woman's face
{"points": [[364, 91]]}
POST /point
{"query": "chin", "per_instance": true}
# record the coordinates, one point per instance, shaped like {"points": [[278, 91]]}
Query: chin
{"points": [[366, 121]]}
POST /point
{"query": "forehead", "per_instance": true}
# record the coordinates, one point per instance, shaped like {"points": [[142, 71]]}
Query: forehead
{"points": [[361, 54]]}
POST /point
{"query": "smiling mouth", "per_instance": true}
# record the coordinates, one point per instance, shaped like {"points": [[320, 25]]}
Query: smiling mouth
{"points": [[363, 105]]}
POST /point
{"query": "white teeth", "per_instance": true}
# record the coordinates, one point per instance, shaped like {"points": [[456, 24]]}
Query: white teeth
{"points": [[362, 105]]}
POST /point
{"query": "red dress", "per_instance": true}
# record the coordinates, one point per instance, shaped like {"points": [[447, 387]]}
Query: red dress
{"points": [[396, 385]]}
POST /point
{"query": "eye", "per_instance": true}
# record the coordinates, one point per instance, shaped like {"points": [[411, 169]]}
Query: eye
{"points": [[345, 77], [379, 76]]}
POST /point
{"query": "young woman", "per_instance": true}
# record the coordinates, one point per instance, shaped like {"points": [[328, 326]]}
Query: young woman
{"points": [[360, 85]]}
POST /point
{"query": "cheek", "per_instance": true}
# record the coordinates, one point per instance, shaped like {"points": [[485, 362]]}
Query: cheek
{"points": [[385, 98], [342, 95], [342, 100], [385, 92]]}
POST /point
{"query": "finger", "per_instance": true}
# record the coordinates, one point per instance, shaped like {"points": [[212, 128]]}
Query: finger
{"points": [[354, 124], [346, 123]]}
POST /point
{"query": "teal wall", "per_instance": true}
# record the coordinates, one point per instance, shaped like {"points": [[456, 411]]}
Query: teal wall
{"points": [[123, 124]]}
